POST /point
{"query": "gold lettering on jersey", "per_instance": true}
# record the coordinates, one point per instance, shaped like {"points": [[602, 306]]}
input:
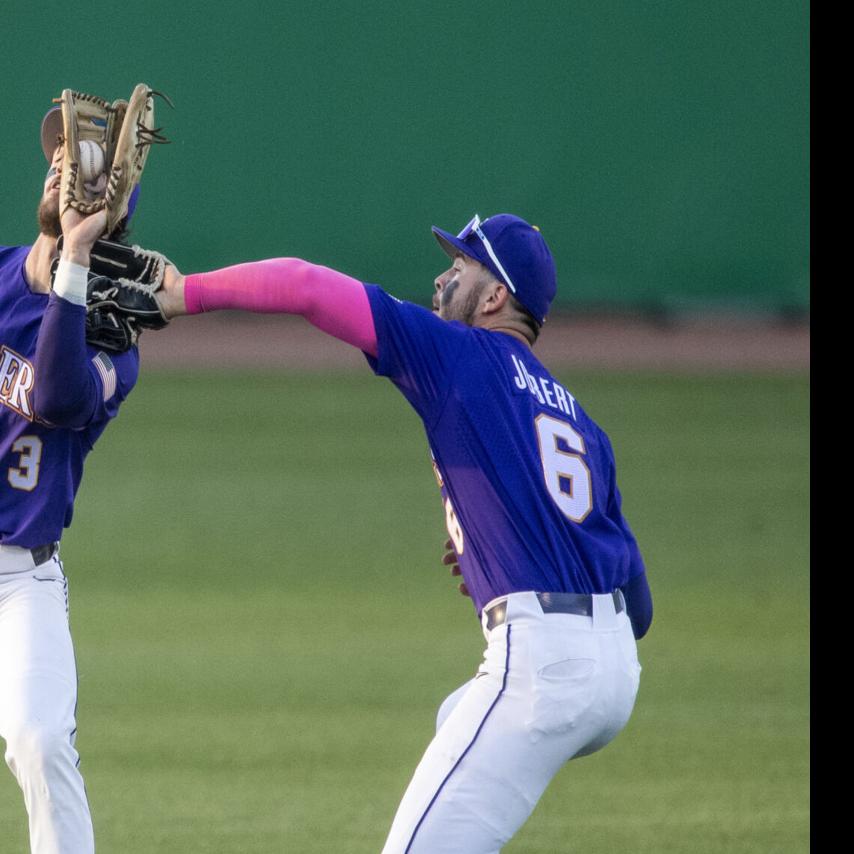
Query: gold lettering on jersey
{"points": [[16, 382], [547, 391]]}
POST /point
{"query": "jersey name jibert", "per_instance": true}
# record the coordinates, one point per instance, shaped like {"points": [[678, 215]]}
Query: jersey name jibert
{"points": [[547, 391]]}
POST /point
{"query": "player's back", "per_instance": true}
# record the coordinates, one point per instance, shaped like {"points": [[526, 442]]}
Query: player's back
{"points": [[529, 477]]}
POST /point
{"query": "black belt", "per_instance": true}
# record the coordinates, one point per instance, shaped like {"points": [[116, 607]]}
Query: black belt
{"points": [[554, 603], [42, 554]]}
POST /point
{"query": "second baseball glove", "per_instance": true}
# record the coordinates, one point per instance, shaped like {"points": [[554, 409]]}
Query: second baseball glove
{"points": [[121, 296]]}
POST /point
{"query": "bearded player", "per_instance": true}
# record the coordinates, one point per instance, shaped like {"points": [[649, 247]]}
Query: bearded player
{"points": [[529, 488], [56, 397]]}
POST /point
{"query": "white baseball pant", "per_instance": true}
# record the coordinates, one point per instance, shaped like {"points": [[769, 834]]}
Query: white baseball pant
{"points": [[38, 696], [551, 687]]}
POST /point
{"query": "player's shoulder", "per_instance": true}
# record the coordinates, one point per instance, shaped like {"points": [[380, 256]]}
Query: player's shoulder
{"points": [[128, 359], [116, 369], [12, 260], [380, 298], [9, 253], [403, 312]]}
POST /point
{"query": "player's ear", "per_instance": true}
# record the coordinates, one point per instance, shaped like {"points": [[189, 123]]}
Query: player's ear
{"points": [[495, 297]]}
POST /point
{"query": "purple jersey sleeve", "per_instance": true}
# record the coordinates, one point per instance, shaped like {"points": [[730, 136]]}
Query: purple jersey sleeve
{"points": [[78, 387], [416, 350]]}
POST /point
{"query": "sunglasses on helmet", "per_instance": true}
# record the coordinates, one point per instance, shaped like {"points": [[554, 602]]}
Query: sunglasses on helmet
{"points": [[474, 227]]}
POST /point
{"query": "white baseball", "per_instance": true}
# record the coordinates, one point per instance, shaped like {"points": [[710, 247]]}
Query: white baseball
{"points": [[91, 159]]}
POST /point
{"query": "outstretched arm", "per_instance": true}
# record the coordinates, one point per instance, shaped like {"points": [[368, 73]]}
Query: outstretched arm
{"points": [[66, 394], [335, 303]]}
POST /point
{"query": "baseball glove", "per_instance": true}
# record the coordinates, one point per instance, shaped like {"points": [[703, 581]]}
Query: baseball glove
{"points": [[120, 296], [106, 146]]}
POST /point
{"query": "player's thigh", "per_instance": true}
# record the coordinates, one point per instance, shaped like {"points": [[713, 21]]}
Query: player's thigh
{"points": [[480, 777], [450, 703], [461, 718], [38, 678], [499, 748]]}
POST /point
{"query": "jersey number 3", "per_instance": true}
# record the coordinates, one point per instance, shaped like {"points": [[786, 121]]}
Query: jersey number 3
{"points": [[566, 474], [26, 475]]}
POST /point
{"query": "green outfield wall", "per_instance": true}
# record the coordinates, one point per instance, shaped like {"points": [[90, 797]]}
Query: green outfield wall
{"points": [[662, 146]]}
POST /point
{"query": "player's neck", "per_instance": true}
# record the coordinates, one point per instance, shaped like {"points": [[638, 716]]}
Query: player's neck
{"points": [[514, 333], [37, 265], [508, 327]]}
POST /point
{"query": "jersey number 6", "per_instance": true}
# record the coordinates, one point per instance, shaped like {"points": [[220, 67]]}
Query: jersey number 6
{"points": [[566, 474]]}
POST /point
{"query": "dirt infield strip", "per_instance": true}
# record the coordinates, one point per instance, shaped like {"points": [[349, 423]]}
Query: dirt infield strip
{"points": [[709, 345]]}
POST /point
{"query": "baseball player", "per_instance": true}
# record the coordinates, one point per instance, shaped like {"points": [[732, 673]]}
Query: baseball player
{"points": [[57, 395], [533, 511]]}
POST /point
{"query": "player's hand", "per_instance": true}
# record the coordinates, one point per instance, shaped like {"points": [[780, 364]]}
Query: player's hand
{"points": [[170, 297], [450, 559], [80, 233]]}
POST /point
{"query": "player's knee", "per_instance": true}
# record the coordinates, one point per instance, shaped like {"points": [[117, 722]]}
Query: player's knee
{"points": [[32, 749]]}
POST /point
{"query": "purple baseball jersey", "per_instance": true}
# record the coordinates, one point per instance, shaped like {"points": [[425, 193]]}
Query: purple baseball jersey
{"points": [[41, 465], [527, 478]]}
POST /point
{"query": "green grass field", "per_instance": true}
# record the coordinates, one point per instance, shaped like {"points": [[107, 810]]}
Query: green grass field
{"points": [[264, 630]]}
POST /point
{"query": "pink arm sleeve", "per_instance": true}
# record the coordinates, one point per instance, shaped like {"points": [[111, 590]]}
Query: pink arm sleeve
{"points": [[329, 300]]}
